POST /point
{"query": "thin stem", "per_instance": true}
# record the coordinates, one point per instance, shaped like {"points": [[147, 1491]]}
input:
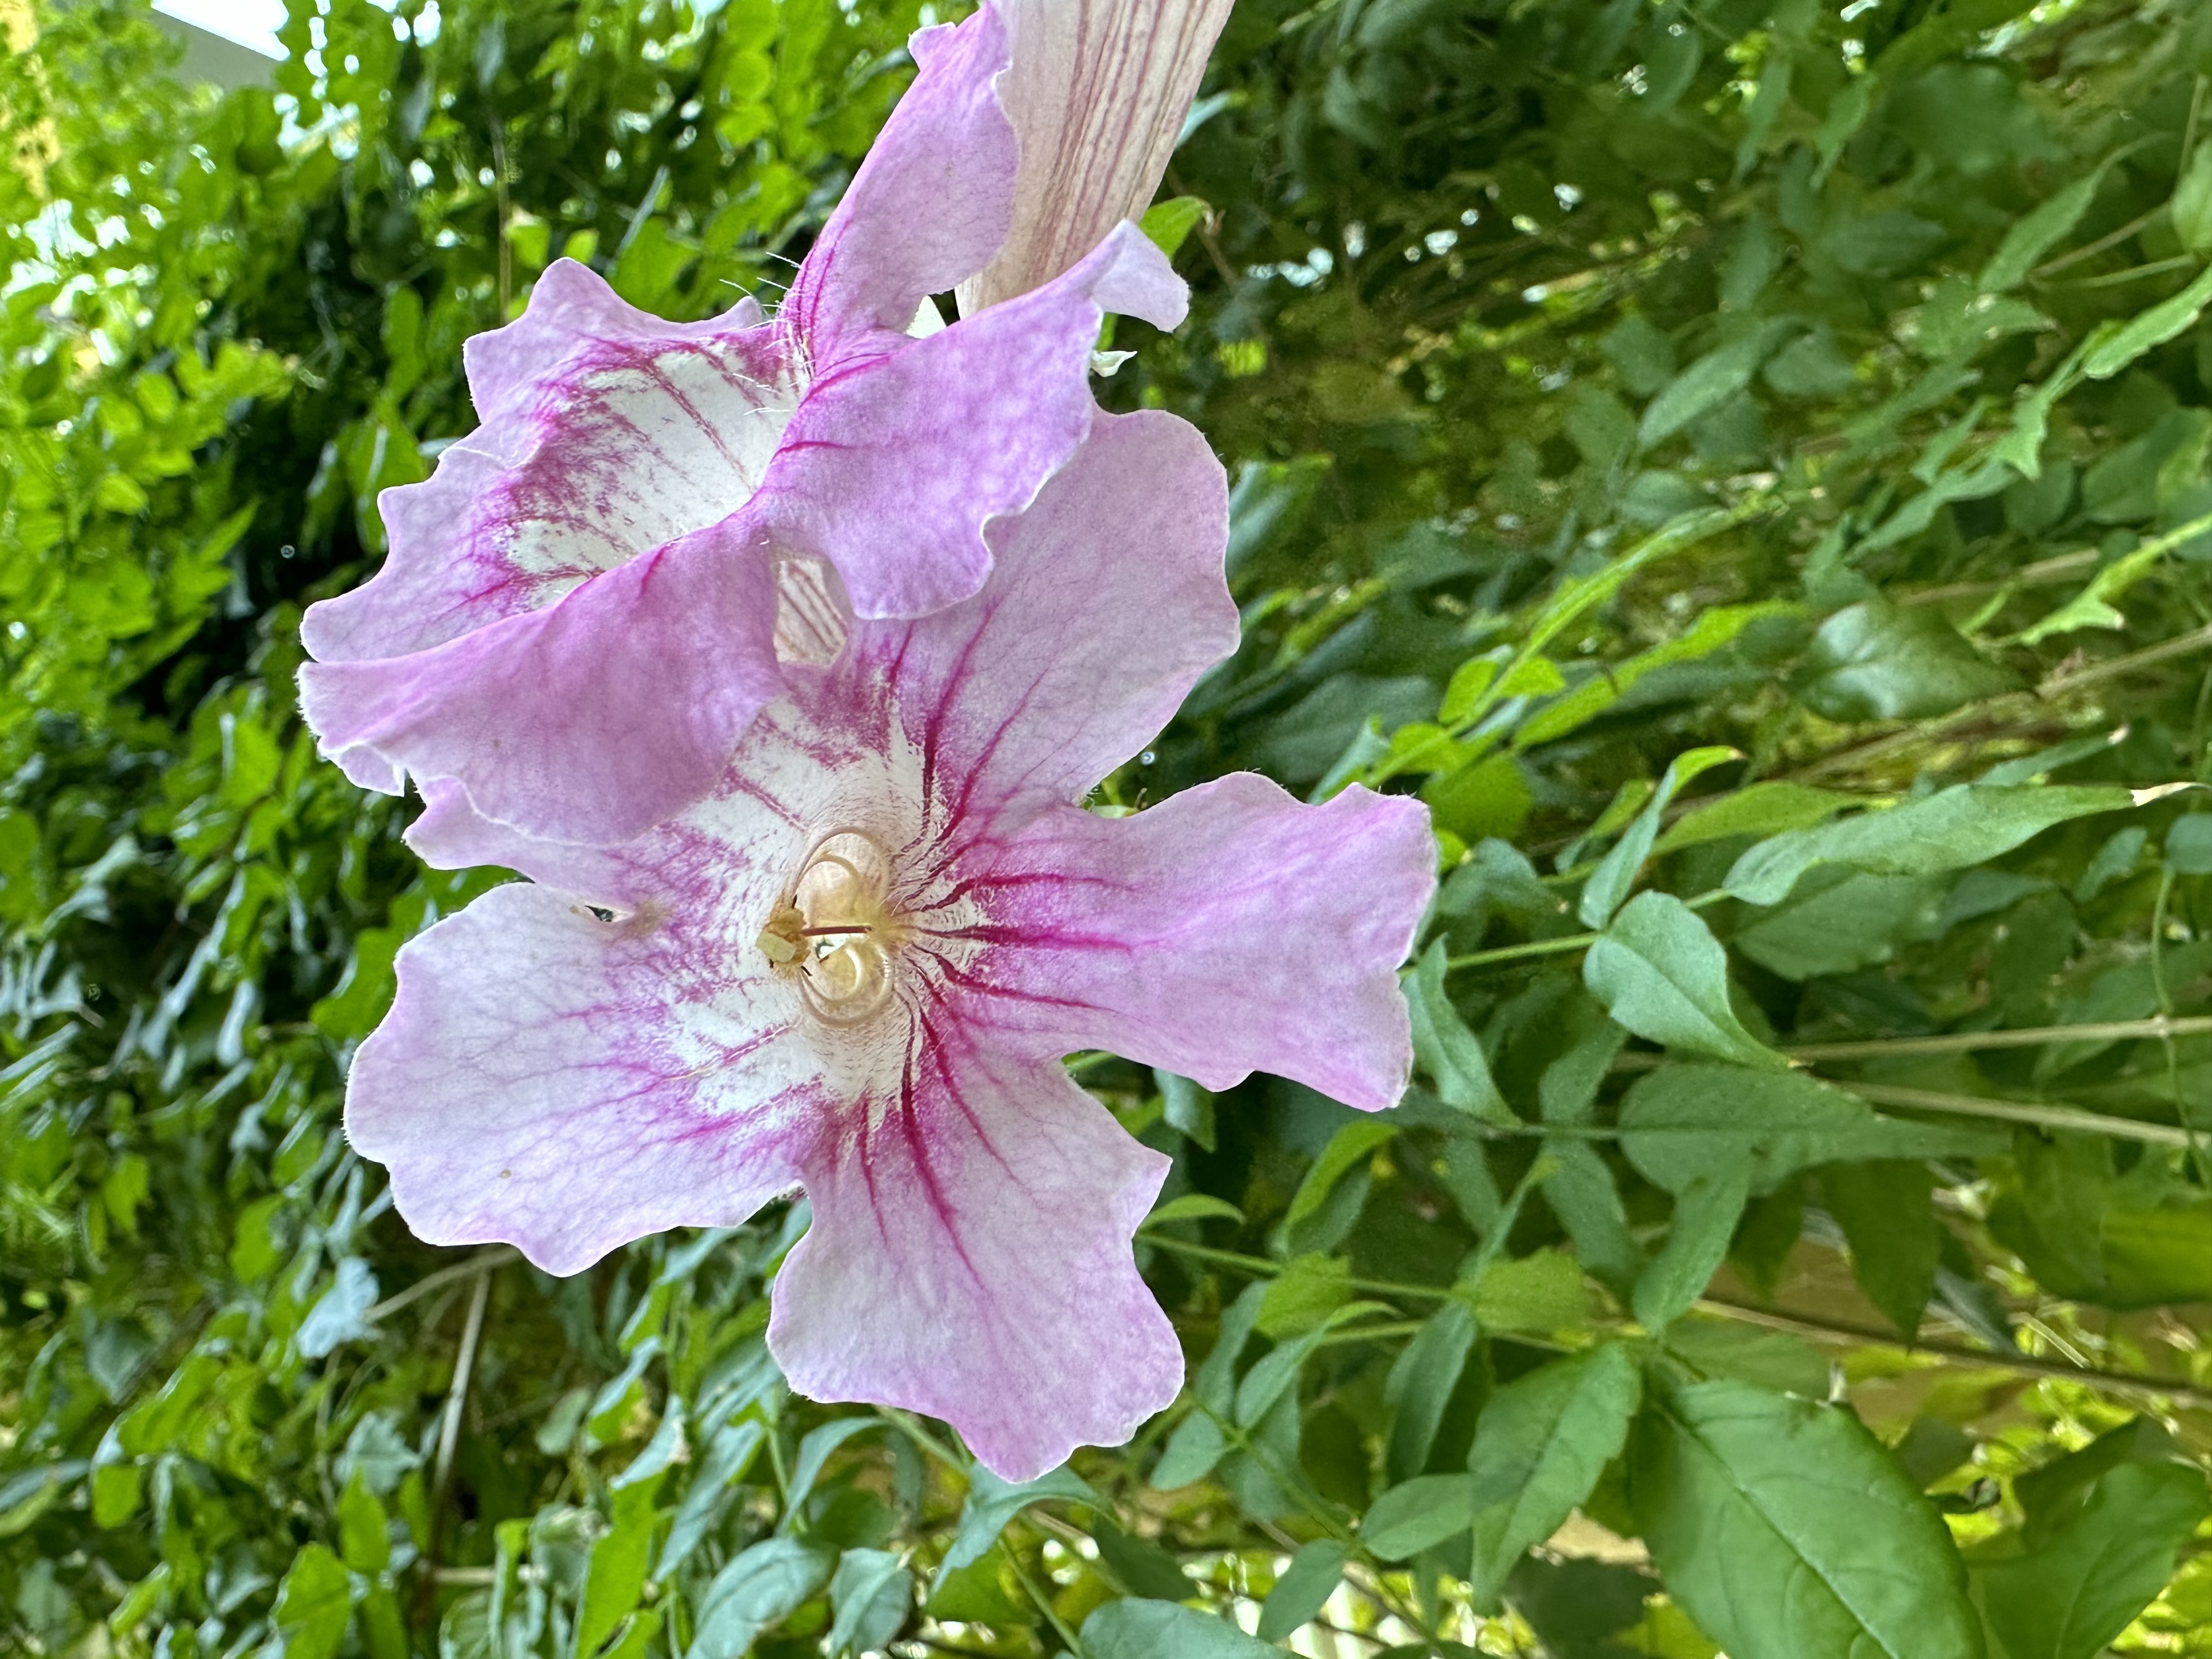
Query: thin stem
{"points": [[2026, 1036], [483, 1262], [1547, 947], [2043, 572], [2018, 1111], [1044, 1607], [465, 1366], [2180, 646], [2109, 239], [2021, 1364], [1261, 1266]]}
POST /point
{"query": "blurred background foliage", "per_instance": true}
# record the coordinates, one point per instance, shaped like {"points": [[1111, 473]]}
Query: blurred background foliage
{"points": [[1745, 464]]}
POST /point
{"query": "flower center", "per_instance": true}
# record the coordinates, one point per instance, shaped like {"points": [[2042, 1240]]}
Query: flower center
{"points": [[834, 932]]}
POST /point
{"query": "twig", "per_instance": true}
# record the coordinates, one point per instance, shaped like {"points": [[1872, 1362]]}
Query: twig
{"points": [[2021, 1364], [483, 1262], [465, 1365], [2024, 1036], [2018, 1111]]}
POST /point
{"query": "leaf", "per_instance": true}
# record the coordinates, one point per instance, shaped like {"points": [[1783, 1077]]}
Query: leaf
{"points": [[1966, 825], [1683, 1121], [1421, 1383], [869, 1595], [1303, 1295], [1142, 1566], [1785, 1529], [1417, 1514], [1186, 1106], [1165, 224], [1356, 1142], [1705, 1214], [1447, 1050], [2092, 606], [1278, 1369], [1191, 1452], [1709, 381], [1540, 1446], [1884, 1207], [1660, 972], [1303, 1589], [729, 1454], [2082, 1587], [1875, 660], [313, 1604], [761, 1586], [1540, 1292], [2036, 233], [1616, 873], [338, 1314], [1195, 1206], [2114, 349], [1166, 1630], [992, 1503], [1714, 630], [814, 1454], [616, 1578]]}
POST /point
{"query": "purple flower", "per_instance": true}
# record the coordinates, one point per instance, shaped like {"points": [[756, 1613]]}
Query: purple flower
{"points": [[856, 965], [573, 623]]}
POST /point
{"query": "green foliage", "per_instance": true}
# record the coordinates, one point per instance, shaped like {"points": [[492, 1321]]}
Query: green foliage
{"points": [[1743, 464]]}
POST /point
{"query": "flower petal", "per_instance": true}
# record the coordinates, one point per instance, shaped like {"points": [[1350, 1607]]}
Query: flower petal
{"points": [[1106, 604], [1097, 93], [891, 466], [605, 433], [969, 1258], [1228, 930], [587, 722], [931, 201], [566, 1084]]}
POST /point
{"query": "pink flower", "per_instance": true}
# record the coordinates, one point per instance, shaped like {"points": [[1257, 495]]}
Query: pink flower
{"points": [[855, 967], [1097, 93], [572, 624]]}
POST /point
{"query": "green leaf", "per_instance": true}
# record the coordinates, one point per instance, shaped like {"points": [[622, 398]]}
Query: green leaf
{"points": [[1660, 972], [1166, 224], [363, 1538], [1303, 1295], [1447, 1050], [616, 1578], [2036, 233], [1419, 1514], [1875, 660], [1785, 1529], [1540, 1446], [1705, 1214], [1195, 1206], [1303, 1589], [2069, 1597], [1708, 382], [814, 1453], [1714, 630], [869, 1595], [1538, 1293], [1421, 1384], [992, 1503], [1166, 1630], [1684, 1121], [1142, 1566], [761, 1586], [1884, 1206], [313, 1604], [1191, 1452], [1355, 1143], [1616, 873], [1966, 825], [2115, 348]]}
